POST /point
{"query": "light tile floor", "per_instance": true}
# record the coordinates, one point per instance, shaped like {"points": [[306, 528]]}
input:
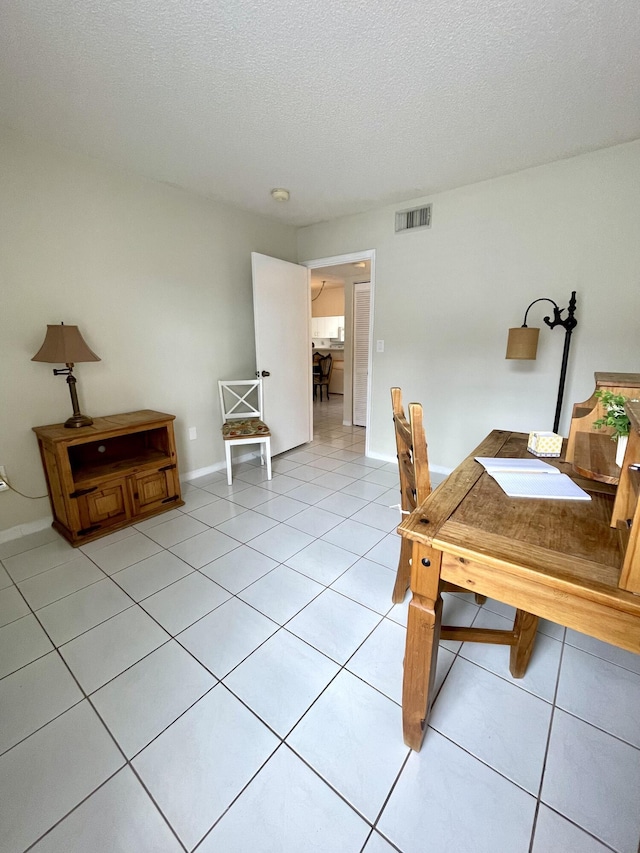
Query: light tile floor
{"points": [[227, 677]]}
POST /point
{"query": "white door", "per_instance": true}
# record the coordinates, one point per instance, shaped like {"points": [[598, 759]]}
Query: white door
{"points": [[282, 311], [361, 336]]}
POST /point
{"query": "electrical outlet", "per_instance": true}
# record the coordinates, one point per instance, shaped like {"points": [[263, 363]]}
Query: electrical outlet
{"points": [[193, 433], [4, 486]]}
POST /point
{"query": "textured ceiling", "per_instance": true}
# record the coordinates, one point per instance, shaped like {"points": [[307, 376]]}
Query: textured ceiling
{"points": [[349, 104], [338, 274]]}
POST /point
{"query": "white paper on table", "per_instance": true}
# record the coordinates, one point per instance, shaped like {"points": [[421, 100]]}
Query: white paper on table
{"points": [[516, 466], [540, 486]]}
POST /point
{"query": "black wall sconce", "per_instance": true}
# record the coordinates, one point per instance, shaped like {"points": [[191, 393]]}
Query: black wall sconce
{"points": [[523, 342]]}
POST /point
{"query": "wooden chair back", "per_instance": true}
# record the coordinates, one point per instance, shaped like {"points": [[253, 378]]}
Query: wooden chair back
{"points": [[325, 363], [322, 378], [415, 487], [413, 459]]}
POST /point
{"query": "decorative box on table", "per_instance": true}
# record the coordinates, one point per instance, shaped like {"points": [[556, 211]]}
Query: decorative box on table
{"points": [[544, 444]]}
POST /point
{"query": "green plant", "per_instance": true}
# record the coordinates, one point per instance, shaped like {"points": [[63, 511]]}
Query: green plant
{"points": [[615, 416]]}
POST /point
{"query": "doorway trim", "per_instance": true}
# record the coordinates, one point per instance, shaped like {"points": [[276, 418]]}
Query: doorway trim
{"points": [[352, 257]]}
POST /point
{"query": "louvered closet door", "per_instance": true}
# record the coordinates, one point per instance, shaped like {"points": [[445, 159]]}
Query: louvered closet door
{"points": [[361, 321]]}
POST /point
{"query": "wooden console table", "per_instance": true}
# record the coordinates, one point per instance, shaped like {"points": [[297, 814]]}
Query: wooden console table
{"points": [[106, 476]]}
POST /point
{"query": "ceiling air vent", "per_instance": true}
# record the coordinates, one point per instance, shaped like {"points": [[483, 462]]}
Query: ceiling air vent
{"points": [[417, 217]]}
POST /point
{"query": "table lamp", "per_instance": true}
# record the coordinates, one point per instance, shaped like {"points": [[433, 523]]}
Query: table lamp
{"points": [[65, 345], [523, 342]]}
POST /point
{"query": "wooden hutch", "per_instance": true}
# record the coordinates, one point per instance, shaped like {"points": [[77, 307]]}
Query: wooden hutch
{"points": [[591, 451]]}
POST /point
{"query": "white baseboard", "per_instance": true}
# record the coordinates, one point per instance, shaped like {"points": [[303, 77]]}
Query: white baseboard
{"points": [[219, 466], [34, 526], [42, 523], [438, 472], [202, 472], [25, 529], [382, 457]]}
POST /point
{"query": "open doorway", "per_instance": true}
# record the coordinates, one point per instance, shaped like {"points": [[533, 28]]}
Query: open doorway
{"points": [[335, 330]]}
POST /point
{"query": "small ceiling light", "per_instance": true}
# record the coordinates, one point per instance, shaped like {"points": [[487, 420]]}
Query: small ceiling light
{"points": [[280, 194], [361, 264]]}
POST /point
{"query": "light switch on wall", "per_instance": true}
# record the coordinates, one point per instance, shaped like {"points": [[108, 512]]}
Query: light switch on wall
{"points": [[379, 346], [193, 433]]}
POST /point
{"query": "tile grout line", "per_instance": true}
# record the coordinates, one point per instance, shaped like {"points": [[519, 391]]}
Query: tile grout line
{"points": [[342, 667], [87, 697]]}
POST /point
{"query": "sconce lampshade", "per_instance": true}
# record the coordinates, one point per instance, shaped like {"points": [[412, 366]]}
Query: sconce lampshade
{"points": [[64, 345], [522, 343]]}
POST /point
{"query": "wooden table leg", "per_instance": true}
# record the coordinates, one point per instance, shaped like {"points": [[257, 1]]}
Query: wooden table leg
{"points": [[421, 651], [525, 627]]}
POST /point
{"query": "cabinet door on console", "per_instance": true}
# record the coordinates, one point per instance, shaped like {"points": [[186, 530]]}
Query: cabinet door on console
{"points": [[152, 490], [105, 506]]}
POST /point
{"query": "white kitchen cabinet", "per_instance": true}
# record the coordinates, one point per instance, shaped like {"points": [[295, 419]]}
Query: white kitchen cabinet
{"points": [[327, 327]]}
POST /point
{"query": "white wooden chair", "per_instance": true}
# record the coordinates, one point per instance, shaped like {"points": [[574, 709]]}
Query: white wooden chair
{"points": [[241, 406]]}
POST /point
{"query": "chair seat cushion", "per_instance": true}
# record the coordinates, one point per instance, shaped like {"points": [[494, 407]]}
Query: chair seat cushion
{"points": [[244, 428]]}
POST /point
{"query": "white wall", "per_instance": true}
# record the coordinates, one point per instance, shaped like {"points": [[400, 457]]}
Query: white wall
{"points": [[445, 297], [157, 279], [159, 282], [330, 303]]}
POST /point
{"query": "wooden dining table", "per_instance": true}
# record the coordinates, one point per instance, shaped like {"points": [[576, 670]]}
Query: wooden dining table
{"points": [[557, 559]]}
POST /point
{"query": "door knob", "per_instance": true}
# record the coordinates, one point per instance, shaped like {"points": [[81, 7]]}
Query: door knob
{"points": [[265, 373]]}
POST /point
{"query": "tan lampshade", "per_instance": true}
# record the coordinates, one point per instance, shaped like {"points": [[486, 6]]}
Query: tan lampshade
{"points": [[64, 345], [522, 343]]}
